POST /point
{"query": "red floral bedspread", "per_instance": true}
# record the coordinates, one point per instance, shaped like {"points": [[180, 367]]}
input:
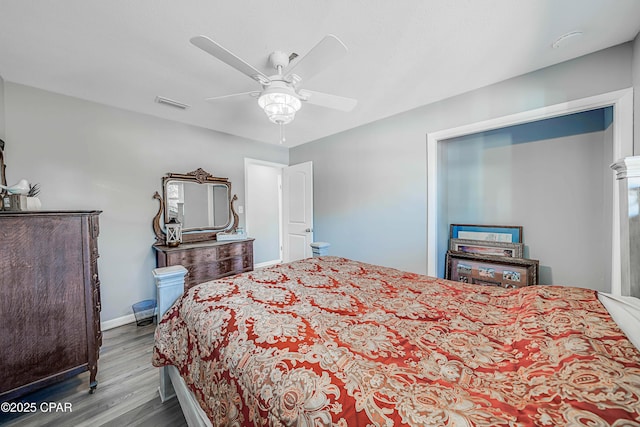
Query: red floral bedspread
{"points": [[329, 341]]}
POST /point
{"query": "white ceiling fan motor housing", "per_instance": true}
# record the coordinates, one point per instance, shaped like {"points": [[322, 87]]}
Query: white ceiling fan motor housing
{"points": [[279, 60]]}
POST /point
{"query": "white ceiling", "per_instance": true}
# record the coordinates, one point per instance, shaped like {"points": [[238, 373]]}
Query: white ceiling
{"points": [[402, 54]]}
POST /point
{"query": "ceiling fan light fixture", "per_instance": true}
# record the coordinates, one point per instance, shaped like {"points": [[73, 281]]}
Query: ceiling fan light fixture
{"points": [[281, 97], [280, 105]]}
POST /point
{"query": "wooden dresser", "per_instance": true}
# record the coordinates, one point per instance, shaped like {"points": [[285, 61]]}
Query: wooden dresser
{"points": [[49, 299], [207, 260]]}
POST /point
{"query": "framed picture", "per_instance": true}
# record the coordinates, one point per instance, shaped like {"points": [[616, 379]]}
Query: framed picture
{"points": [[491, 270], [487, 247], [494, 233]]}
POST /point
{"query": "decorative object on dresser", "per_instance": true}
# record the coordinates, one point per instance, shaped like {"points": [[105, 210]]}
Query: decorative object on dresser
{"points": [[20, 187], [14, 202], [174, 232], [238, 234], [49, 299], [21, 201], [20, 196], [203, 205]]}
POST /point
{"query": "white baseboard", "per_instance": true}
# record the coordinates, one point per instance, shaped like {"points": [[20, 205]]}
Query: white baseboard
{"points": [[267, 263], [118, 321]]}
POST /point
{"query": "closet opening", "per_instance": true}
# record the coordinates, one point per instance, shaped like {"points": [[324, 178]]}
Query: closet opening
{"points": [[546, 170]]}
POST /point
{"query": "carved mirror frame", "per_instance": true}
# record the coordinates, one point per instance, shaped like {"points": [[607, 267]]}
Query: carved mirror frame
{"points": [[198, 176], [3, 167]]}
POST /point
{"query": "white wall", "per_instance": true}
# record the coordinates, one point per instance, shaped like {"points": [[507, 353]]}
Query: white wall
{"points": [[2, 108], [90, 156], [370, 182]]}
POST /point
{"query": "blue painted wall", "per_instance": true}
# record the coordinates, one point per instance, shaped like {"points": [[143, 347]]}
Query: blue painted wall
{"points": [[557, 127]]}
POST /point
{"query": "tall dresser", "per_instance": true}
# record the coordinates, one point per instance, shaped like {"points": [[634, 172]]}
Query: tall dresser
{"points": [[49, 299]]}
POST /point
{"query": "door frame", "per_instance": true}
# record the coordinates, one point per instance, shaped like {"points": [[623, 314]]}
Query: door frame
{"points": [[622, 103]]}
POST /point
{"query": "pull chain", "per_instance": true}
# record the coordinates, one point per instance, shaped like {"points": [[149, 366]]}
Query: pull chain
{"points": [[282, 139]]}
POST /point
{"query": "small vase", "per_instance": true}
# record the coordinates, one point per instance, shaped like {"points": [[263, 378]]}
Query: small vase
{"points": [[33, 204]]}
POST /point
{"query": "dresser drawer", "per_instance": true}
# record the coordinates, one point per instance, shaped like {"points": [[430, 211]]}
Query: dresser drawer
{"points": [[200, 273], [192, 256], [240, 248], [204, 272], [208, 261], [208, 254], [247, 262]]}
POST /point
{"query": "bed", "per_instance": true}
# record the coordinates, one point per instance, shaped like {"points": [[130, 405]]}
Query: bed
{"points": [[332, 341]]}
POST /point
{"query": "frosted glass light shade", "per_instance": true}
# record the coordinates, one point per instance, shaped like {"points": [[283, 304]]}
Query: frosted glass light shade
{"points": [[280, 107]]}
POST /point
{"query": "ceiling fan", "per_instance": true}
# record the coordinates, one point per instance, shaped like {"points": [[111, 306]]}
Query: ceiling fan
{"points": [[281, 95]]}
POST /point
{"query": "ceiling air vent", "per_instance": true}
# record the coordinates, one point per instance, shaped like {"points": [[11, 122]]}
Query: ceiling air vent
{"points": [[171, 102]]}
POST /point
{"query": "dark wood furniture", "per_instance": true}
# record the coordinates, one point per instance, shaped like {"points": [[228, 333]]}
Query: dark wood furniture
{"points": [[49, 299], [207, 260]]}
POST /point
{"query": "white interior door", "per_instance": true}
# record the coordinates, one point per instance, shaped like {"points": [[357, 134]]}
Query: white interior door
{"points": [[297, 195]]}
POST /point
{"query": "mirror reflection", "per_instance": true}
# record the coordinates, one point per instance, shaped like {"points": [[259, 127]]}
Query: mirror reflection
{"points": [[197, 206]]}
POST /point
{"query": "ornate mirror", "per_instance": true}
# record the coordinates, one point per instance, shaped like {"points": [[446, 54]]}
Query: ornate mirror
{"points": [[201, 202], [3, 176]]}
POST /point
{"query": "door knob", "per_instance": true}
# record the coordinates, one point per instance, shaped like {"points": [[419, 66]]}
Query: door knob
{"points": [[308, 230]]}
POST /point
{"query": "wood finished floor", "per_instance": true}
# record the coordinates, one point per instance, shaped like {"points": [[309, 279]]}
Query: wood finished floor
{"points": [[127, 393]]}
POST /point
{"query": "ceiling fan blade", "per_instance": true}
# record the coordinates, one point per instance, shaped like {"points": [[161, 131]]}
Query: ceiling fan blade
{"points": [[328, 50], [213, 48], [329, 101], [253, 93]]}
